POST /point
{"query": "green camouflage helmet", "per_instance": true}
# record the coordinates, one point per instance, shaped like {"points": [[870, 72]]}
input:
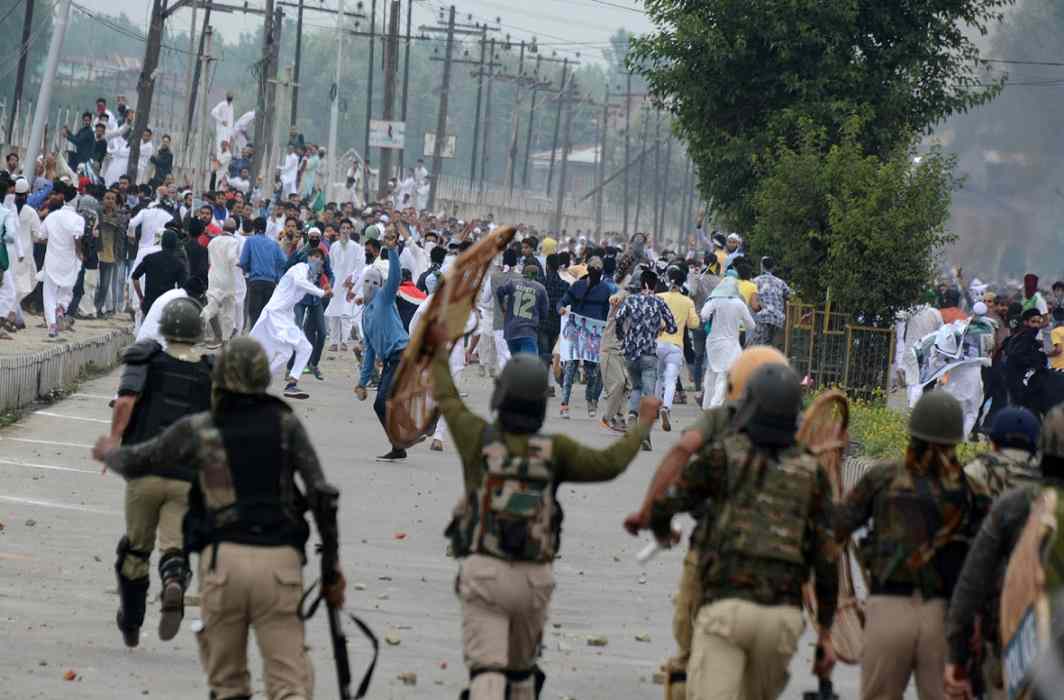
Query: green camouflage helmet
{"points": [[243, 367], [523, 379], [1051, 438], [937, 418], [771, 404], [181, 321]]}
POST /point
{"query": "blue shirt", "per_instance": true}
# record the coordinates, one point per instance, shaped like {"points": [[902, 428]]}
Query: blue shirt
{"points": [[262, 259], [382, 328], [585, 300]]}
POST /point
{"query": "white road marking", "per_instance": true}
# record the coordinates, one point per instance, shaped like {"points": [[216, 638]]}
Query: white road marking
{"points": [[57, 504], [48, 442], [53, 467], [61, 415]]}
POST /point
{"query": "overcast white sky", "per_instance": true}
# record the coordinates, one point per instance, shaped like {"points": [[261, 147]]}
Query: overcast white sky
{"points": [[568, 26]]}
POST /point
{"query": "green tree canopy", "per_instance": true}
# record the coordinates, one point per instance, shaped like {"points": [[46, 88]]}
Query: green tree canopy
{"points": [[741, 76]]}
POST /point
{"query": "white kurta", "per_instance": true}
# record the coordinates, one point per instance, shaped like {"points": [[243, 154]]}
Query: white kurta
{"points": [[921, 322], [29, 230], [421, 187], [152, 221], [117, 163], [729, 315], [147, 150], [10, 225], [149, 327], [276, 328], [61, 229], [222, 114], [241, 135], [289, 174], [347, 261]]}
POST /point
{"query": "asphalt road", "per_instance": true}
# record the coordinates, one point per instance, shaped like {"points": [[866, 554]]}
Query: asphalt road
{"points": [[61, 520]]}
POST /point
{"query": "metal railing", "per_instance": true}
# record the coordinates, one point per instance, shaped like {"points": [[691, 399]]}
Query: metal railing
{"points": [[828, 348]]}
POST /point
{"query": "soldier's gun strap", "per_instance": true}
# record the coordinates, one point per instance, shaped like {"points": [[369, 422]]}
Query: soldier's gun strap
{"points": [[307, 613]]}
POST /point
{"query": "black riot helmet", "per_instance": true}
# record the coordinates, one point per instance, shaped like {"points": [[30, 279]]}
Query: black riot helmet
{"points": [[520, 394], [181, 321], [770, 406]]}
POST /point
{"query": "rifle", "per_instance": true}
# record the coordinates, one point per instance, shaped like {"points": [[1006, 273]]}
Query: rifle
{"points": [[329, 550]]}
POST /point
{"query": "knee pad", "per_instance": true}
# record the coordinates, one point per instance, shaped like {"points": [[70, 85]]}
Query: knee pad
{"points": [[125, 549]]}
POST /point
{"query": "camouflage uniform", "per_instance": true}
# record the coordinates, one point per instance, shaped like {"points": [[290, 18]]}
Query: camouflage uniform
{"points": [[922, 526], [764, 531], [506, 532], [1001, 470], [246, 519], [711, 425]]}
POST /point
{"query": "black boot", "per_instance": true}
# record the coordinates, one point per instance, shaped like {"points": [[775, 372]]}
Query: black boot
{"points": [[132, 599], [132, 595], [174, 572]]}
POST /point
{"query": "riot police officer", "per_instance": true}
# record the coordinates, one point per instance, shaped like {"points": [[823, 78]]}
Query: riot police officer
{"points": [[693, 449], [247, 521], [925, 511], [158, 387], [764, 528], [1014, 438], [507, 528]]}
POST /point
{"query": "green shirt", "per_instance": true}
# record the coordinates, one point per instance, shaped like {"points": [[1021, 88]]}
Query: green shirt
{"points": [[571, 460]]}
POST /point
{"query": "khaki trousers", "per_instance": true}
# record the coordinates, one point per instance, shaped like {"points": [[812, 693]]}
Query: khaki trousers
{"points": [[154, 505], [903, 636], [688, 600], [614, 381], [742, 650], [256, 587], [504, 609]]}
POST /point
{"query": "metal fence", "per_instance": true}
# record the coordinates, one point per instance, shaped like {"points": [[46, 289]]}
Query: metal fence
{"points": [[830, 350], [28, 377]]}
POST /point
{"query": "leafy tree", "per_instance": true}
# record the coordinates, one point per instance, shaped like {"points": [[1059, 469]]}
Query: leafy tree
{"points": [[741, 76], [866, 227]]}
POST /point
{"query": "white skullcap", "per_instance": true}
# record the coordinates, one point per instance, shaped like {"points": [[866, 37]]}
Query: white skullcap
{"points": [[22, 186], [979, 309], [312, 230], [385, 219], [734, 237]]}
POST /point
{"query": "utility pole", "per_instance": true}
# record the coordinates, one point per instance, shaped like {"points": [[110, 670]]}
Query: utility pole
{"points": [[299, 61], [690, 195], [193, 60], [146, 85], [557, 125], [44, 95], [487, 115], [657, 176], [476, 119], [665, 181], [531, 120], [334, 107], [642, 164], [281, 89], [194, 90], [571, 100], [602, 160], [265, 104], [20, 75], [406, 77], [369, 96], [441, 120], [199, 164], [516, 119], [627, 143], [681, 237], [391, 67]]}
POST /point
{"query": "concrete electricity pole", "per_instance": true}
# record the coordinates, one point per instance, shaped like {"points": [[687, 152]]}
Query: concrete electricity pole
{"points": [[557, 125], [487, 114], [441, 120], [571, 99], [146, 85], [391, 67], [334, 107], [369, 96], [44, 95], [299, 61], [20, 75], [265, 105], [406, 76]]}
